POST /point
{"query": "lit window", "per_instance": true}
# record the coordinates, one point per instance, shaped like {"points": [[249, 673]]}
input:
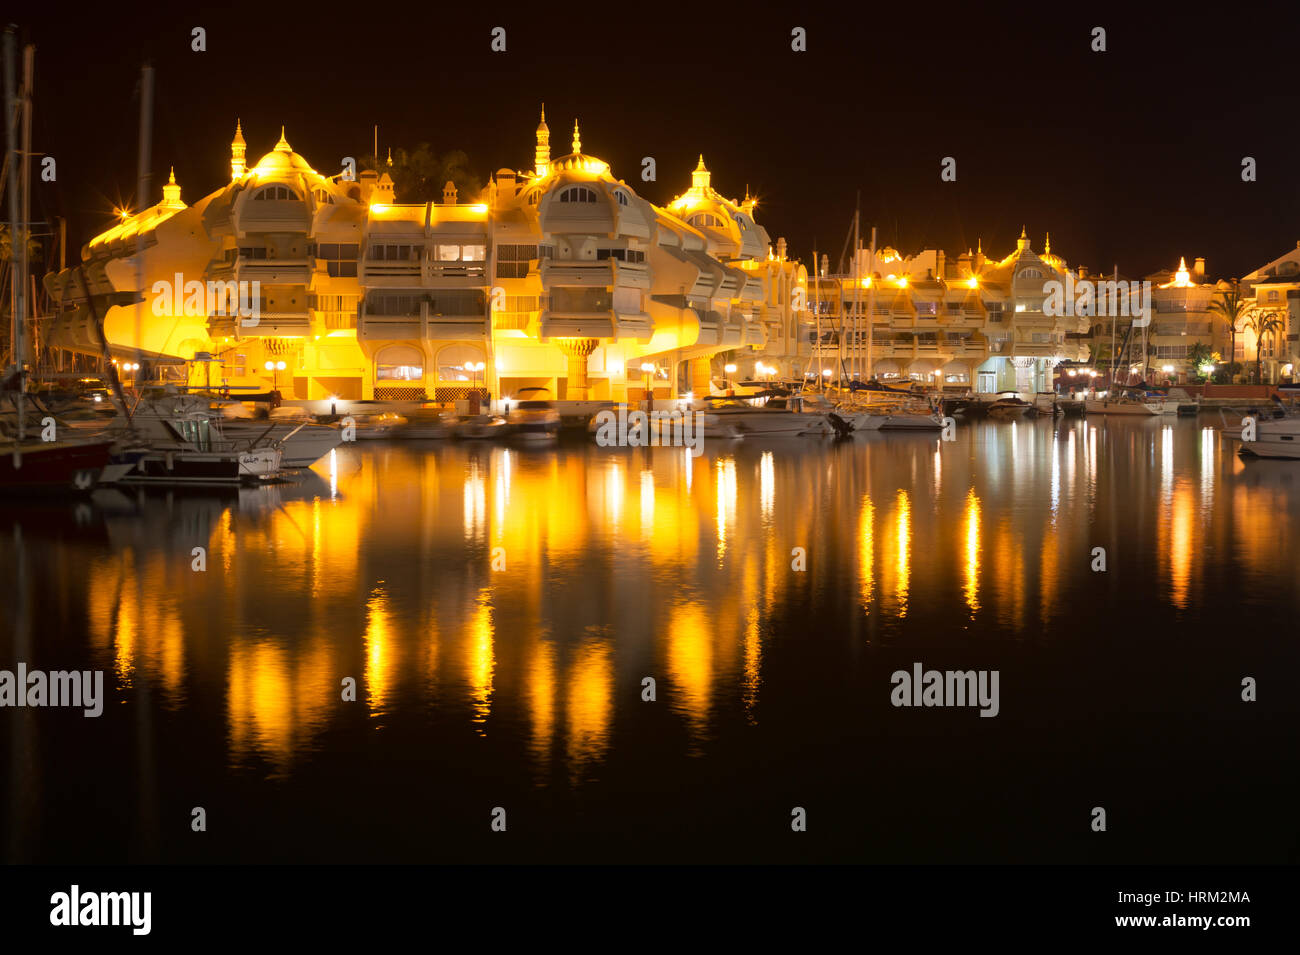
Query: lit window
{"points": [[622, 198], [578, 194]]}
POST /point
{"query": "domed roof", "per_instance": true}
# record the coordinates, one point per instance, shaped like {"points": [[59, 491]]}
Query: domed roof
{"points": [[282, 159]]}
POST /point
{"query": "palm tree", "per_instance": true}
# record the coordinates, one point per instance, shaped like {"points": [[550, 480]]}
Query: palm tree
{"points": [[1262, 322], [1231, 304]]}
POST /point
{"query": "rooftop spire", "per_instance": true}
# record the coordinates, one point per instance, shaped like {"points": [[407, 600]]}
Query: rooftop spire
{"points": [[237, 149], [577, 139], [1047, 244], [172, 192], [700, 177], [283, 145], [542, 155]]}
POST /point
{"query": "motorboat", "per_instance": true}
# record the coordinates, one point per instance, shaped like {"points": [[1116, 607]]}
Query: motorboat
{"points": [[1274, 438], [480, 427], [533, 420], [424, 424], [1009, 406], [777, 417], [1124, 404], [300, 442]]}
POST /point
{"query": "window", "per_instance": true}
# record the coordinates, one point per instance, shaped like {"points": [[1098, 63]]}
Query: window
{"points": [[394, 253], [621, 196], [323, 197], [457, 302], [252, 252], [740, 221], [578, 194], [1272, 295], [581, 300], [340, 258], [1030, 274], [623, 255], [276, 192], [704, 220], [513, 260], [398, 304], [461, 252]]}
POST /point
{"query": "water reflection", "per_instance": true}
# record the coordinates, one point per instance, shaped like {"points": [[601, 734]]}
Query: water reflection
{"points": [[525, 595]]}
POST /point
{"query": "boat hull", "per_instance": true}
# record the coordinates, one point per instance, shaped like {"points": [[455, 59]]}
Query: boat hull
{"points": [[206, 467], [56, 467], [1103, 406], [1274, 439]]}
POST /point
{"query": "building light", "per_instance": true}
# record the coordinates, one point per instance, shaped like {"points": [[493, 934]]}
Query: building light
{"points": [[973, 282]]}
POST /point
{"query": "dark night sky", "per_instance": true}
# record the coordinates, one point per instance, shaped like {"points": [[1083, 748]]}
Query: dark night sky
{"points": [[1129, 157]]}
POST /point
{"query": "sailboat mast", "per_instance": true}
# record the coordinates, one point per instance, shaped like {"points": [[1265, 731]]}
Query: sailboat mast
{"points": [[857, 296], [143, 193], [817, 319], [871, 305]]}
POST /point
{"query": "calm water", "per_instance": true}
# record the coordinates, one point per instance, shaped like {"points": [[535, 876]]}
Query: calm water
{"points": [[519, 685]]}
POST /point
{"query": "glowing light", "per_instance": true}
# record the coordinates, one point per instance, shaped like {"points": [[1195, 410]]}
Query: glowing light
{"points": [[730, 369], [647, 368], [1167, 369], [973, 282], [379, 208]]}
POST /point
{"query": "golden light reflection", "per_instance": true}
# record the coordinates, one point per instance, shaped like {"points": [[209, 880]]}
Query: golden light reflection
{"points": [[647, 504], [589, 706], [380, 667], [902, 557], [690, 663], [767, 483], [972, 523], [866, 550], [475, 495], [480, 663], [725, 492]]}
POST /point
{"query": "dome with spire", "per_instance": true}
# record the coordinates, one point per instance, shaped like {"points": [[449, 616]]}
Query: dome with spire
{"points": [[577, 161], [282, 159]]}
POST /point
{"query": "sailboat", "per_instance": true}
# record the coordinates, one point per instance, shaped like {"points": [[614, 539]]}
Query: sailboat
{"points": [[28, 463]]}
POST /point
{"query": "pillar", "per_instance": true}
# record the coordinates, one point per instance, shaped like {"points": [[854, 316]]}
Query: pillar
{"points": [[577, 350]]}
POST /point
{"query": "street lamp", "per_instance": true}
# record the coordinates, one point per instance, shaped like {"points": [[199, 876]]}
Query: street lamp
{"points": [[275, 367], [730, 370]]}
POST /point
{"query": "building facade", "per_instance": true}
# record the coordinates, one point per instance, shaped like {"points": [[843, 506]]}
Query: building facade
{"points": [[559, 277]]}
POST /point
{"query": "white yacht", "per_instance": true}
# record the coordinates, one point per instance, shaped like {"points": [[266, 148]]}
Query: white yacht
{"points": [[1274, 438], [777, 417], [1124, 404]]}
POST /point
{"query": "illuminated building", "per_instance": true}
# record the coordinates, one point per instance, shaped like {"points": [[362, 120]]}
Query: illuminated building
{"points": [[966, 320], [560, 277]]}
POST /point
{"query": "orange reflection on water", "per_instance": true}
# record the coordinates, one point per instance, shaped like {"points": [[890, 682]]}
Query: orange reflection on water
{"points": [[971, 590]]}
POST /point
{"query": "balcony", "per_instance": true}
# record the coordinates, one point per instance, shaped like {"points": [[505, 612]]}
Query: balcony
{"points": [[595, 274]]}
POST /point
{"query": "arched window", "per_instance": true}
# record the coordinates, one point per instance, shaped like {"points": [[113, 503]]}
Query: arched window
{"points": [[1030, 274], [621, 196], [704, 220], [276, 192], [323, 197], [740, 221], [399, 363], [578, 194]]}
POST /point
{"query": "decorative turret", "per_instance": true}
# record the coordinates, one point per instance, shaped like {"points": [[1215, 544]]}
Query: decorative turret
{"points": [[1022, 244], [542, 157], [283, 145], [172, 193], [449, 195], [577, 139], [701, 176], [237, 149]]}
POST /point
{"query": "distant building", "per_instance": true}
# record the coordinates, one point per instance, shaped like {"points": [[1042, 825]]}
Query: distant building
{"points": [[957, 321], [1275, 290]]}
